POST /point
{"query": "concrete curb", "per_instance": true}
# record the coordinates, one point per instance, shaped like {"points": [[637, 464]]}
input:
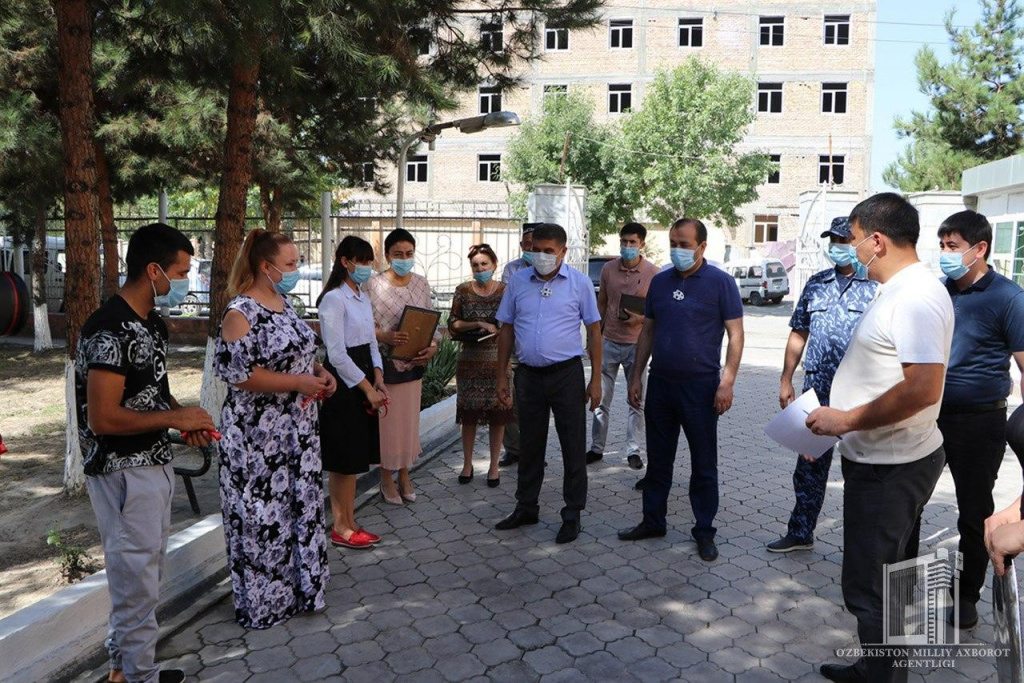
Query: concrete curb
{"points": [[62, 635]]}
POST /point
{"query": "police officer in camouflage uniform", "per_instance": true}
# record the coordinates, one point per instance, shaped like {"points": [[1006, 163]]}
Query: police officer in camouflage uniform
{"points": [[822, 323]]}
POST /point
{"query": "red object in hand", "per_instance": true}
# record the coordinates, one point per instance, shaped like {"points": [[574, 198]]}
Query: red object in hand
{"points": [[309, 399], [382, 412], [3, 448], [211, 433]]}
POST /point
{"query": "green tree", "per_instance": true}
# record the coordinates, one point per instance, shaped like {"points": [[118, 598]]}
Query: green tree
{"points": [[680, 148], [535, 157], [975, 102]]}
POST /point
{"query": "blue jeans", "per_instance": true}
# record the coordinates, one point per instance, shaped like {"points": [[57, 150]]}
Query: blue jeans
{"points": [[616, 355], [690, 405]]}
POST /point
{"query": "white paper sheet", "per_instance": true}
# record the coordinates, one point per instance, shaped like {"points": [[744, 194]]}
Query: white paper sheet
{"points": [[789, 428]]}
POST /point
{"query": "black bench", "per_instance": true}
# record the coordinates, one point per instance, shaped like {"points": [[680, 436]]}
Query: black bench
{"points": [[191, 466]]}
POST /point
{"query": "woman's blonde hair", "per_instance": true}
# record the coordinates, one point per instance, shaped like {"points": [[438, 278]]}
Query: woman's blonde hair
{"points": [[260, 245]]}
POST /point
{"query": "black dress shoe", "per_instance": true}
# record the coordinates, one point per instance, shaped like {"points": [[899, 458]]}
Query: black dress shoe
{"points": [[171, 676], [507, 459], [640, 532], [968, 615], [635, 462], [493, 483], [593, 456], [639, 485], [517, 519], [466, 478], [569, 531], [841, 672], [707, 549]]}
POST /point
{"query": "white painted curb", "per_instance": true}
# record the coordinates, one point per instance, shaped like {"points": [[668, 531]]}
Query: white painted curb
{"points": [[46, 639]]}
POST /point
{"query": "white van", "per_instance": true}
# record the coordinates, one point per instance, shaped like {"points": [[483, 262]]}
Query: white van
{"points": [[55, 262], [760, 279]]}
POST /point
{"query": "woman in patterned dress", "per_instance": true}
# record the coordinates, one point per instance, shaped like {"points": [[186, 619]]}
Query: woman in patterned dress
{"points": [[472, 321], [390, 292], [270, 472]]}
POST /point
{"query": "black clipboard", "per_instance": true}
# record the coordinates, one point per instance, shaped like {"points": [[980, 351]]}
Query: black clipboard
{"points": [[630, 302], [420, 324]]}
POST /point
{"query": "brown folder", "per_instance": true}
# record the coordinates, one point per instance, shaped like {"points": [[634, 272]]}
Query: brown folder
{"points": [[420, 324]]}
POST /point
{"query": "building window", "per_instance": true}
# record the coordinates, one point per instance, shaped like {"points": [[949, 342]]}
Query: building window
{"points": [[837, 29], [556, 38], [775, 177], [488, 168], [490, 99], [772, 29], [416, 169], [831, 169], [419, 38], [620, 33], [492, 37], [833, 98], [620, 98], [691, 32], [766, 229], [769, 98], [555, 90], [369, 173]]}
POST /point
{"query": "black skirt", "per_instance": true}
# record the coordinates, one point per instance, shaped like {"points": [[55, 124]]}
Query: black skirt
{"points": [[349, 436]]}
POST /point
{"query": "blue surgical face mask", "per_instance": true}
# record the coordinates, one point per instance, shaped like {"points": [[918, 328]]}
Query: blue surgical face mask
{"points": [[629, 253], [683, 259], [842, 254], [288, 280], [483, 277], [952, 263], [361, 274], [528, 257], [402, 266], [174, 296], [860, 270]]}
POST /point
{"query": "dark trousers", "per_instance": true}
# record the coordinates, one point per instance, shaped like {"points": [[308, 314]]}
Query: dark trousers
{"points": [[810, 479], [690, 405], [511, 439], [882, 507], [539, 394], [974, 444]]}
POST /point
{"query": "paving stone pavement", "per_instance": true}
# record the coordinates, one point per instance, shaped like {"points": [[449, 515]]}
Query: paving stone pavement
{"points": [[446, 597]]}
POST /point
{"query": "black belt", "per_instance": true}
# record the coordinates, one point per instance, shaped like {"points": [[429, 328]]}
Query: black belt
{"points": [[554, 367], [976, 408]]}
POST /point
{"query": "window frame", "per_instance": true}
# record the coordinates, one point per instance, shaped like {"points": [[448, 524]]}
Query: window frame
{"points": [[554, 31], [835, 21], [831, 163], [777, 174], [373, 173], [417, 162], [770, 22], [491, 96], [764, 223], [618, 97], [622, 32], [492, 161], [832, 91], [488, 32], [768, 88], [692, 25]]}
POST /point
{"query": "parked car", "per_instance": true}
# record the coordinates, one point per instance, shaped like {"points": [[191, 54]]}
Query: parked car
{"points": [[197, 301], [760, 280], [594, 266]]}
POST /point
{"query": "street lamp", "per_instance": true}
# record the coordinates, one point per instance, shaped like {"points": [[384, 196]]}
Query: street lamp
{"points": [[473, 124]]}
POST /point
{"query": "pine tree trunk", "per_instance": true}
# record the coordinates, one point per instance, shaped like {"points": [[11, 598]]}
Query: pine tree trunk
{"points": [[230, 218], [41, 317], [77, 125], [108, 231], [272, 202]]}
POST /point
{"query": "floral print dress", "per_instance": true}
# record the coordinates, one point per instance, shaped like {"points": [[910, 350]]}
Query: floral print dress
{"points": [[270, 474]]}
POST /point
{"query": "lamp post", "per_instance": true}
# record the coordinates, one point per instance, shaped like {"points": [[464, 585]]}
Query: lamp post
{"points": [[473, 124]]}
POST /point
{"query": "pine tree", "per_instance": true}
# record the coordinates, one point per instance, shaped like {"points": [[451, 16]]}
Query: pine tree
{"points": [[976, 102]]}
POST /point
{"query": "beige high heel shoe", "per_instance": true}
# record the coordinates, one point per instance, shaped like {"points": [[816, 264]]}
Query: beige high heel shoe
{"points": [[397, 500]]}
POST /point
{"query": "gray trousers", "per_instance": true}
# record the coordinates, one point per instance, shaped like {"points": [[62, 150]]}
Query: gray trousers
{"points": [[133, 510], [615, 355]]}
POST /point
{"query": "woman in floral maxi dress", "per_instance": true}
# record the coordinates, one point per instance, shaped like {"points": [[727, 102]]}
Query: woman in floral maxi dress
{"points": [[270, 473]]}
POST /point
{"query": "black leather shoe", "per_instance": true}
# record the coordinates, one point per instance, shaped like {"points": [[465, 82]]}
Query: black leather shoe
{"points": [[569, 531], [507, 459], [707, 550], [517, 519], [640, 532], [635, 462], [593, 457], [171, 676], [841, 672], [968, 615], [493, 483], [639, 485], [466, 478]]}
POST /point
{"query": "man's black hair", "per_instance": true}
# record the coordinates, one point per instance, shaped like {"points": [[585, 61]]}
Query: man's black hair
{"points": [[702, 230], [634, 229], [970, 225], [550, 231], [155, 243], [890, 214]]}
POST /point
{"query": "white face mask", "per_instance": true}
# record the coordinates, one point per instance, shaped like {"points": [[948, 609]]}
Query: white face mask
{"points": [[545, 264]]}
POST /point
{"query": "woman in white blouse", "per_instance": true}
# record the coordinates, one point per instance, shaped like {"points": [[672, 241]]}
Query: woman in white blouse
{"points": [[349, 420]]}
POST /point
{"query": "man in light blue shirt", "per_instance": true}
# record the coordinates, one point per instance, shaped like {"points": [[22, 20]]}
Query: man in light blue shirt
{"points": [[541, 313]]}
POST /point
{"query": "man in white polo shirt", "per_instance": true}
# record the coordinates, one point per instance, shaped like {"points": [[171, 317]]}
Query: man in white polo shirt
{"points": [[885, 402]]}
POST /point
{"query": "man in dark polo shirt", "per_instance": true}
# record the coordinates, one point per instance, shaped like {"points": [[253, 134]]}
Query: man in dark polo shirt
{"points": [[688, 311], [989, 329], [541, 313]]}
